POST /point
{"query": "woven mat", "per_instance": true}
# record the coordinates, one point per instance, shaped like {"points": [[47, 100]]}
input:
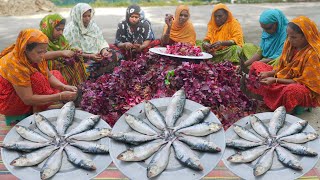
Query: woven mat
{"points": [[112, 173]]}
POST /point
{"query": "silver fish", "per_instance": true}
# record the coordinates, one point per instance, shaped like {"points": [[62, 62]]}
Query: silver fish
{"points": [[79, 159], [264, 163], [90, 147], [242, 144], [259, 127], [248, 155], [65, 117], [175, 108], [245, 134], [132, 137], [300, 137], [33, 158], [201, 129], [30, 135], [293, 129], [299, 149], [52, 165], [194, 118], [139, 125], [45, 125], [277, 121], [84, 125], [91, 135], [159, 161], [141, 152], [186, 156], [154, 116], [26, 146], [200, 144], [287, 159]]}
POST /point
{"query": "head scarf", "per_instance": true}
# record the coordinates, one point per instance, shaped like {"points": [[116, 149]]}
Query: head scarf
{"points": [[182, 33], [133, 9], [14, 65], [90, 38], [230, 30], [47, 25], [304, 66], [272, 44]]}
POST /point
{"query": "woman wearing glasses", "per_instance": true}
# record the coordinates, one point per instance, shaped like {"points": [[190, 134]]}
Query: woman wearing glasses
{"points": [[178, 28], [59, 51], [274, 24], [224, 37]]}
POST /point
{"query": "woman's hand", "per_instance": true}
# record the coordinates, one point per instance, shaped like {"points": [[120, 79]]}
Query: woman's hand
{"points": [[67, 96], [69, 88], [67, 53], [168, 20], [216, 45], [268, 80], [104, 52], [138, 47], [128, 45], [264, 75], [96, 57], [206, 46]]}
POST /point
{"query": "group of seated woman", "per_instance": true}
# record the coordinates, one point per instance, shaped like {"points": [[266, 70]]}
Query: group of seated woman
{"points": [[44, 68]]}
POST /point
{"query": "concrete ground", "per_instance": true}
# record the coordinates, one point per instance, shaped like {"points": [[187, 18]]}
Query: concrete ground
{"points": [[107, 19]]}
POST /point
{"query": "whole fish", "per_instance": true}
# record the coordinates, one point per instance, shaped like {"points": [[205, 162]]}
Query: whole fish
{"points": [[141, 152], [132, 137], [154, 116], [259, 127], [30, 135], [287, 159], [84, 125], [245, 134], [90, 147], [26, 146], [201, 129], [248, 155], [159, 161], [45, 126], [293, 129], [300, 137], [139, 125], [175, 108], [264, 163], [79, 159], [299, 149], [186, 156], [92, 135], [33, 158], [52, 165], [277, 121], [194, 118], [199, 144], [242, 144], [65, 117]]}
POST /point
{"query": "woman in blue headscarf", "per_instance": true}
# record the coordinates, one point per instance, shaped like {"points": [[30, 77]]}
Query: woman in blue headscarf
{"points": [[274, 24]]}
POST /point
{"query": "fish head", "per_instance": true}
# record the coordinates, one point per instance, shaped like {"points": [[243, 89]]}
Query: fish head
{"points": [[105, 132], [151, 172], [215, 126], [312, 136], [129, 154]]}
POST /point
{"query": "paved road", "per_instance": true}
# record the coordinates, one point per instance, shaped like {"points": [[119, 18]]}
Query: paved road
{"points": [[108, 18]]}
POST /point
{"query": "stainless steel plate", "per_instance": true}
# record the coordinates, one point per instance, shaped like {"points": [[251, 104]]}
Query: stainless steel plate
{"points": [[67, 171], [138, 170], [162, 51], [277, 171]]}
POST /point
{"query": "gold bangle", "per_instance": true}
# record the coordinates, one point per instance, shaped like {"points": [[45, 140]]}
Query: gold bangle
{"points": [[60, 96]]}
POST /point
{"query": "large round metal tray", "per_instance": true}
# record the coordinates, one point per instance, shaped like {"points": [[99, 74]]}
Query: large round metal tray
{"points": [[67, 171], [162, 51], [277, 171], [137, 170]]}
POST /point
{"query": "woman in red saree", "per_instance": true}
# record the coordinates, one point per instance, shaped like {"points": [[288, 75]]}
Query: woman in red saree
{"points": [[295, 81], [26, 84]]}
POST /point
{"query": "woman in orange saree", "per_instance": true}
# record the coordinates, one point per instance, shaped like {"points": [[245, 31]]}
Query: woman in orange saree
{"points": [[26, 84], [295, 81]]}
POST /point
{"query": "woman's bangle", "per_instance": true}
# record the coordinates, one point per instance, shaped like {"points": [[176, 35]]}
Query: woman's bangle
{"points": [[60, 96], [276, 80]]}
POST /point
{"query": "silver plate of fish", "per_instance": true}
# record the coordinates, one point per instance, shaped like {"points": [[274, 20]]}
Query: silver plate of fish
{"points": [[271, 145], [164, 151], [58, 144]]}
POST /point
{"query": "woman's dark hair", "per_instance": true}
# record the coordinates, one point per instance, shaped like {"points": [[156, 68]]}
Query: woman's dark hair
{"points": [[295, 28], [63, 21], [31, 46]]}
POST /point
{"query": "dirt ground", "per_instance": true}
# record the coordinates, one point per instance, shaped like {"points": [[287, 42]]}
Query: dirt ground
{"points": [[25, 7]]}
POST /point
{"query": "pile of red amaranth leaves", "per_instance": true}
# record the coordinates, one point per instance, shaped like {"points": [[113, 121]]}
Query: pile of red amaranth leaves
{"points": [[212, 85], [184, 49]]}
